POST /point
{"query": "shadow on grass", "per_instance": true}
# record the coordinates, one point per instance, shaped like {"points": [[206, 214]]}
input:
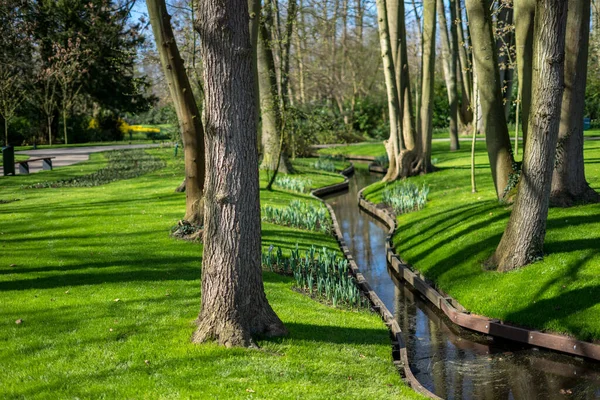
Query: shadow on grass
{"points": [[332, 334]]}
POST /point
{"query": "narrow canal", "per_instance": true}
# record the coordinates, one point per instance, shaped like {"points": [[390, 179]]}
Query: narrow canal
{"points": [[450, 361]]}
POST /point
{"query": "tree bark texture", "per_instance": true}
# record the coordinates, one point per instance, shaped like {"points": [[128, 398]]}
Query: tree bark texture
{"points": [[186, 108], [427, 84], [405, 94], [569, 185], [395, 143], [234, 305], [524, 15], [485, 59], [270, 109], [449, 61], [523, 239]]}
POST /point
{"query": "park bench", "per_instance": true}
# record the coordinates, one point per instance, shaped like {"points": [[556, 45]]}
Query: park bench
{"points": [[24, 165]]}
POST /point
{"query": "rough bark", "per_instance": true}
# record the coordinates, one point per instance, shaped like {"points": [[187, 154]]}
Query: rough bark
{"points": [[449, 61], [186, 108], [490, 95], [427, 83], [523, 239], [524, 15], [270, 109], [395, 143], [569, 185], [234, 305]]}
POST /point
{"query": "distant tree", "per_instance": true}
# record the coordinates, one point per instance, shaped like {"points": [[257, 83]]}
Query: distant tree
{"points": [[523, 239], [234, 305]]}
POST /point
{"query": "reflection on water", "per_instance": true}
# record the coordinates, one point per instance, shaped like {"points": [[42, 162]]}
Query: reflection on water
{"points": [[450, 361]]}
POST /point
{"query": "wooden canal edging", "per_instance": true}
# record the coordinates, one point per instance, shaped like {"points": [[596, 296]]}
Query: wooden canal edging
{"points": [[459, 315], [399, 352]]}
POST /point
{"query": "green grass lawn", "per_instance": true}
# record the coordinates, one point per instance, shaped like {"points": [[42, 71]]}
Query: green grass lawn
{"points": [[451, 237], [68, 254]]}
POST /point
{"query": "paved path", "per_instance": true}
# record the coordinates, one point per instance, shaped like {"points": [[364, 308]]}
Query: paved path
{"points": [[70, 155]]}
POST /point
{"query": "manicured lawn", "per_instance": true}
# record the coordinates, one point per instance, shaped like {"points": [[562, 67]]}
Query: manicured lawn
{"points": [[113, 143], [371, 149], [451, 237], [108, 301]]}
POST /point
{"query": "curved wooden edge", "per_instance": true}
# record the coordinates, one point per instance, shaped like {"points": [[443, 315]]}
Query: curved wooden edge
{"points": [[459, 315], [399, 352], [378, 169]]}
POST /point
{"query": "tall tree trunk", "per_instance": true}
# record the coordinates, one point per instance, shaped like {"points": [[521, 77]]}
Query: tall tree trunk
{"points": [[405, 94], [270, 109], [569, 185], [464, 68], [490, 95], [190, 123], [449, 59], [524, 15], [504, 45], [523, 239], [395, 143], [234, 304], [65, 126], [285, 54], [49, 120], [427, 83]]}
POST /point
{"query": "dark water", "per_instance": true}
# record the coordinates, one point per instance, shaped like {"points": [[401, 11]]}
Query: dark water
{"points": [[450, 361]]}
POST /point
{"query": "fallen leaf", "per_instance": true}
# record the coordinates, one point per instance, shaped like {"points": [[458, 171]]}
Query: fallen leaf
{"points": [[117, 300], [361, 356], [349, 378], [67, 292], [146, 361], [249, 390], [110, 330], [13, 265], [19, 321]]}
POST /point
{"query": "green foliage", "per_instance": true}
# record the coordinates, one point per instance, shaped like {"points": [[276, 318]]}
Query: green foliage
{"points": [[369, 118], [122, 164], [293, 183], [321, 273], [382, 161], [156, 116], [405, 197], [325, 163], [299, 214]]}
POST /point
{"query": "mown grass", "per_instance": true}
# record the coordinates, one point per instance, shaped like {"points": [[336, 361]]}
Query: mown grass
{"points": [[68, 254], [457, 231]]}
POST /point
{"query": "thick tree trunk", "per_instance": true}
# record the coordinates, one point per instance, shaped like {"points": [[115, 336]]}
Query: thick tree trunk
{"points": [[524, 15], [490, 95], [186, 108], [270, 109], [449, 59], [395, 143], [523, 239], [569, 185], [234, 304], [427, 83]]}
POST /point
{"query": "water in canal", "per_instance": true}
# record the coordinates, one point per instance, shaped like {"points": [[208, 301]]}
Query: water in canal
{"points": [[450, 361]]}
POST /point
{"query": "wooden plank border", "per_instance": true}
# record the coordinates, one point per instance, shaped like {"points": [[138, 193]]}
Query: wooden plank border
{"points": [[459, 315]]}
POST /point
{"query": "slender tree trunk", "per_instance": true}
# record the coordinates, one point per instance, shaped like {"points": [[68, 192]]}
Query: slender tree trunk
{"points": [[427, 83], [465, 63], [270, 109], [523, 239], [569, 185], [405, 94], [524, 16], [65, 125], [190, 123], [49, 130], [449, 60], [490, 95], [395, 143], [504, 45], [475, 97], [234, 304], [285, 56]]}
